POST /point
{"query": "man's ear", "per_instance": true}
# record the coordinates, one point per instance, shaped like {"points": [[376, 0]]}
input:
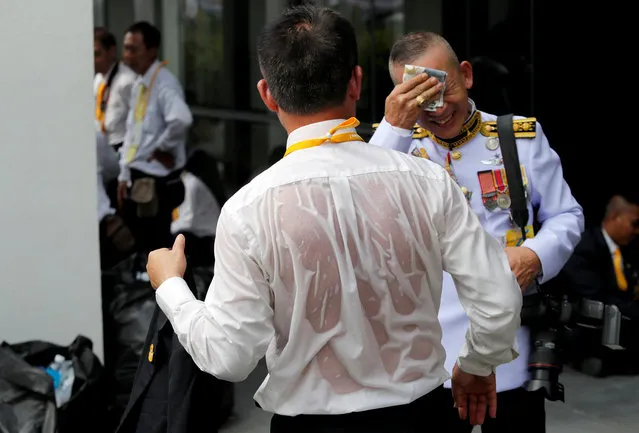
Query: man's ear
{"points": [[355, 85], [266, 96], [466, 70]]}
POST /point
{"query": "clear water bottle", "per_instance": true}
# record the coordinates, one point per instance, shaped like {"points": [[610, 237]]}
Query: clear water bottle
{"points": [[53, 370], [61, 371]]}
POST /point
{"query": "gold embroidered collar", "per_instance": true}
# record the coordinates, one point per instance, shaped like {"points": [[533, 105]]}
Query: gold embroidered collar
{"points": [[469, 130]]}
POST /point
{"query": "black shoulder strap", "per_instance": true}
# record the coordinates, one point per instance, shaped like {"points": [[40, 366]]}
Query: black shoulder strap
{"points": [[109, 82], [114, 72], [518, 207]]}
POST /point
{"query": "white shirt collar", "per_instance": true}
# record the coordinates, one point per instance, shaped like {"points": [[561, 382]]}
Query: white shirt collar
{"points": [[315, 130], [473, 108], [612, 246]]}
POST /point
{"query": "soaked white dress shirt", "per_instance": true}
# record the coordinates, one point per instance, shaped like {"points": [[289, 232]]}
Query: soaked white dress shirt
{"points": [[330, 263]]}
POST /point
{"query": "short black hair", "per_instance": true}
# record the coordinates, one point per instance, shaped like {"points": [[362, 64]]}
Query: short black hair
{"points": [[150, 34], [104, 37], [413, 45], [307, 57]]}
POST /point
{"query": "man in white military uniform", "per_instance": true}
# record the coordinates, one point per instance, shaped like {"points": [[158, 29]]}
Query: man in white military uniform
{"points": [[463, 139]]}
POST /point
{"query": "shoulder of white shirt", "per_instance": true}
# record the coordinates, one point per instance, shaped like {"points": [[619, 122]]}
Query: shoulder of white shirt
{"points": [[260, 184], [166, 79]]}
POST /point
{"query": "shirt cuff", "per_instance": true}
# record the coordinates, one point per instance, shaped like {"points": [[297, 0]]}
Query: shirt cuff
{"points": [[172, 294], [544, 255], [476, 364], [478, 369], [401, 131], [392, 137]]}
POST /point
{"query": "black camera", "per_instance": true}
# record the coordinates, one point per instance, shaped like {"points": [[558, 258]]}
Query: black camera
{"points": [[546, 315]]}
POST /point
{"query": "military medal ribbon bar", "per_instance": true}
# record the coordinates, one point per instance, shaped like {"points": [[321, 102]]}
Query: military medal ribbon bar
{"points": [[503, 199], [488, 189], [500, 181]]}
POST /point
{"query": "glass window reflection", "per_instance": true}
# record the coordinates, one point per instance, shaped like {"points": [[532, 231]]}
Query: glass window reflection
{"points": [[377, 23], [204, 75]]}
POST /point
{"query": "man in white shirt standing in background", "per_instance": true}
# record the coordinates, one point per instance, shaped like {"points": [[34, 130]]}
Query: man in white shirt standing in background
{"points": [[196, 219], [113, 88], [330, 263], [154, 150]]}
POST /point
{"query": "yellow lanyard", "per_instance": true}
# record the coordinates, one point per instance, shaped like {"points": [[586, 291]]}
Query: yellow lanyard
{"points": [[331, 137], [143, 95], [140, 112], [99, 106]]}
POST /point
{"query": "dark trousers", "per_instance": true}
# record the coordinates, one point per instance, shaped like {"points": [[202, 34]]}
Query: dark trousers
{"points": [[422, 415], [154, 232], [517, 411]]}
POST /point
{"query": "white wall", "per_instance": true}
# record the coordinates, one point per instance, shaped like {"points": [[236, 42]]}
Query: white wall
{"points": [[49, 270]]}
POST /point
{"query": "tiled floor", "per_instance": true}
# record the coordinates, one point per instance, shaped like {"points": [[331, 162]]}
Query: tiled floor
{"points": [[592, 406]]}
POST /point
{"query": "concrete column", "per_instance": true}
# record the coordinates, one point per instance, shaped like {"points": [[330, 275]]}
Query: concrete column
{"points": [[49, 265]]}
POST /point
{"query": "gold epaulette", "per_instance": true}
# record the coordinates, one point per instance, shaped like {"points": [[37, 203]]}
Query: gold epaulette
{"points": [[418, 131], [524, 128]]}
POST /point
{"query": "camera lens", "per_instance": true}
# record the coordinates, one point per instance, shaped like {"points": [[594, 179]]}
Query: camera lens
{"points": [[545, 366]]}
